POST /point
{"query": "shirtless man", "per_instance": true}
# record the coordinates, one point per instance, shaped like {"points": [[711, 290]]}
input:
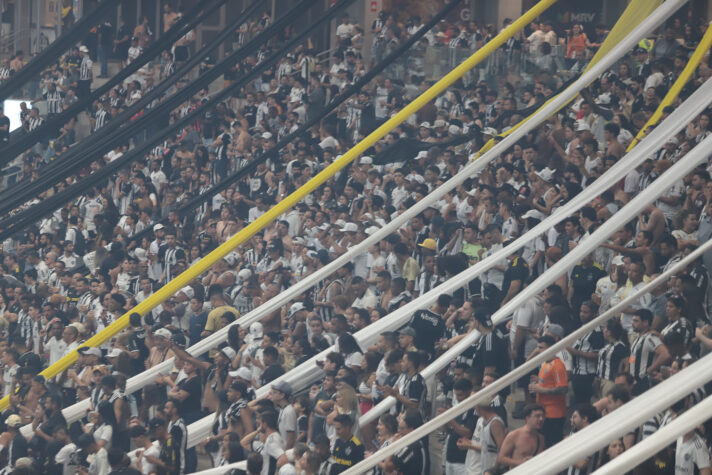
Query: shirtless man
{"points": [[524, 443]]}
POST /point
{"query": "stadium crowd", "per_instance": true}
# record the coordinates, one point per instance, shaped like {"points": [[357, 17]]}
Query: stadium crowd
{"points": [[78, 270]]}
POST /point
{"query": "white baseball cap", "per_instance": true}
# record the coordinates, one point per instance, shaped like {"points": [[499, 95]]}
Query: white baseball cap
{"points": [[349, 228]]}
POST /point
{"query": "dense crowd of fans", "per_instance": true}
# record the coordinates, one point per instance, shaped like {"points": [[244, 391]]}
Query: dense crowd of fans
{"points": [[78, 270]]}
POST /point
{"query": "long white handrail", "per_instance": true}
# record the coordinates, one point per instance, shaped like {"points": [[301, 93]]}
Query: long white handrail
{"points": [[567, 341], [200, 428], [663, 437]]}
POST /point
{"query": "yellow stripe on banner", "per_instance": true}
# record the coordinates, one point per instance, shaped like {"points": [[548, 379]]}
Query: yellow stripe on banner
{"points": [[228, 246], [680, 82], [636, 12]]}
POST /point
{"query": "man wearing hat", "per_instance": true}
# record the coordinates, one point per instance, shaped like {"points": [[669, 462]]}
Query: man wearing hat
{"points": [[159, 342], [279, 394], [297, 313], [406, 338], [14, 441], [85, 73], [244, 375]]}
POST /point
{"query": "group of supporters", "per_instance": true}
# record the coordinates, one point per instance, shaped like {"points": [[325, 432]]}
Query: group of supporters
{"points": [[78, 270]]}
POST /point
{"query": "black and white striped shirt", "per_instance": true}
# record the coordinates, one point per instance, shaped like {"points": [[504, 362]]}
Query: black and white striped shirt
{"points": [[413, 459], [643, 354], [171, 255], [252, 257], [54, 102], [327, 312], [178, 430], [681, 326], [168, 68], [592, 342], [100, 118], [4, 73], [26, 325], [34, 122], [655, 423], [85, 72], [610, 358]]}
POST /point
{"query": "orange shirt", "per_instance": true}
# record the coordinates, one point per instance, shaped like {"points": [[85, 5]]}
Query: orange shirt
{"points": [[553, 375], [576, 44]]}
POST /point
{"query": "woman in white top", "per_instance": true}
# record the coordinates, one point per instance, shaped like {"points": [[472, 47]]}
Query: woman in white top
{"points": [[104, 423], [351, 351]]}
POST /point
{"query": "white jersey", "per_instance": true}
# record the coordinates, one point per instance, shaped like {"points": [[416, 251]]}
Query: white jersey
{"points": [[690, 454], [490, 449], [473, 459]]}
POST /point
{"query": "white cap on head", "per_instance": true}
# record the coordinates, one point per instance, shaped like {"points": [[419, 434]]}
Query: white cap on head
{"points": [[188, 291], [349, 228], [256, 330], [242, 373], [244, 275]]}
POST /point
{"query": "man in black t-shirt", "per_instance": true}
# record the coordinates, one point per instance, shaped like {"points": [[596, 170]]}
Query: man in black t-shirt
{"points": [[273, 369], [409, 389], [429, 325], [414, 459], [583, 282], [462, 426], [492, 349], [515, 275], [4, 128], [348, 449], [51, 418], [119, 463], [187, 394]]}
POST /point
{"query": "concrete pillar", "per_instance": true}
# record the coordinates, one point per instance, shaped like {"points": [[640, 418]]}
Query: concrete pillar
{"points": [[371, 9], [509, 9]]}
